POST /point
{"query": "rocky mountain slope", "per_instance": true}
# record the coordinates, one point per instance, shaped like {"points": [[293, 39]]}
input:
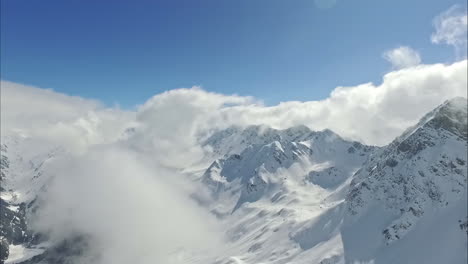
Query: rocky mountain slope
{"points": [[23, 177], [416, 183]]}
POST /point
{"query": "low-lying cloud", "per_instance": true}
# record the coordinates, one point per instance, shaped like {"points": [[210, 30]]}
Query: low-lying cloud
{"points": [[128, 209]]}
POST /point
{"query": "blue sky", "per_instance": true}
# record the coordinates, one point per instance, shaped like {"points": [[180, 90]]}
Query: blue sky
{"points": [[276, 50]]}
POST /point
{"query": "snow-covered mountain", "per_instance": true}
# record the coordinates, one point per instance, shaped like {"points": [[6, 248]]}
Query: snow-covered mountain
{"points": [[297, 195], [269, 185], [257, 158], [411, 195], [22, 179]]}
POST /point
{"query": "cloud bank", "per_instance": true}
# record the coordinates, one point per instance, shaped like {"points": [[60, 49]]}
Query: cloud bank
{"points": [[174, 121], [374, 114], [65, 120]]}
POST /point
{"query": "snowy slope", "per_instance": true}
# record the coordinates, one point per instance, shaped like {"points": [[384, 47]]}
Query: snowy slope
{"points": [[235, 139], [411, 195], [274, 187], [324, 158], [23, 163]]}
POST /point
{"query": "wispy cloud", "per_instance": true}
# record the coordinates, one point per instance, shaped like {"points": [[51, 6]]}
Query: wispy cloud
{"points": [[451, 29], [129, 209]]}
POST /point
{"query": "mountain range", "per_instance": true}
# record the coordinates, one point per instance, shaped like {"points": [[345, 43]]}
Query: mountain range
{"points": [[291, 196]]}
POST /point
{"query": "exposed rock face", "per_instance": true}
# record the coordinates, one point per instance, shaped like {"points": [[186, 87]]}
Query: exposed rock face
{"points": [[4, 249], [13, 228], [4, 164], [21, 180]]}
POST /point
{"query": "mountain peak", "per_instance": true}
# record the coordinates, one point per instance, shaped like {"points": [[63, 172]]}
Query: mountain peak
{"points": [[456, 107], [451, 116], [452, 106]]}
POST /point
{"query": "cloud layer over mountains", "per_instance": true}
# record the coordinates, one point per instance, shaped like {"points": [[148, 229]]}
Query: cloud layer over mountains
{"points": [[174, 120], [127, 208]]}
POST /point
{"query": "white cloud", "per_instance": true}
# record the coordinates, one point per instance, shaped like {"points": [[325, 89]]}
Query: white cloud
{"points": [[451, 29], [130, 210], [374, 114], [172, 122], [66, 120], [402, 57], [25, 107]]}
